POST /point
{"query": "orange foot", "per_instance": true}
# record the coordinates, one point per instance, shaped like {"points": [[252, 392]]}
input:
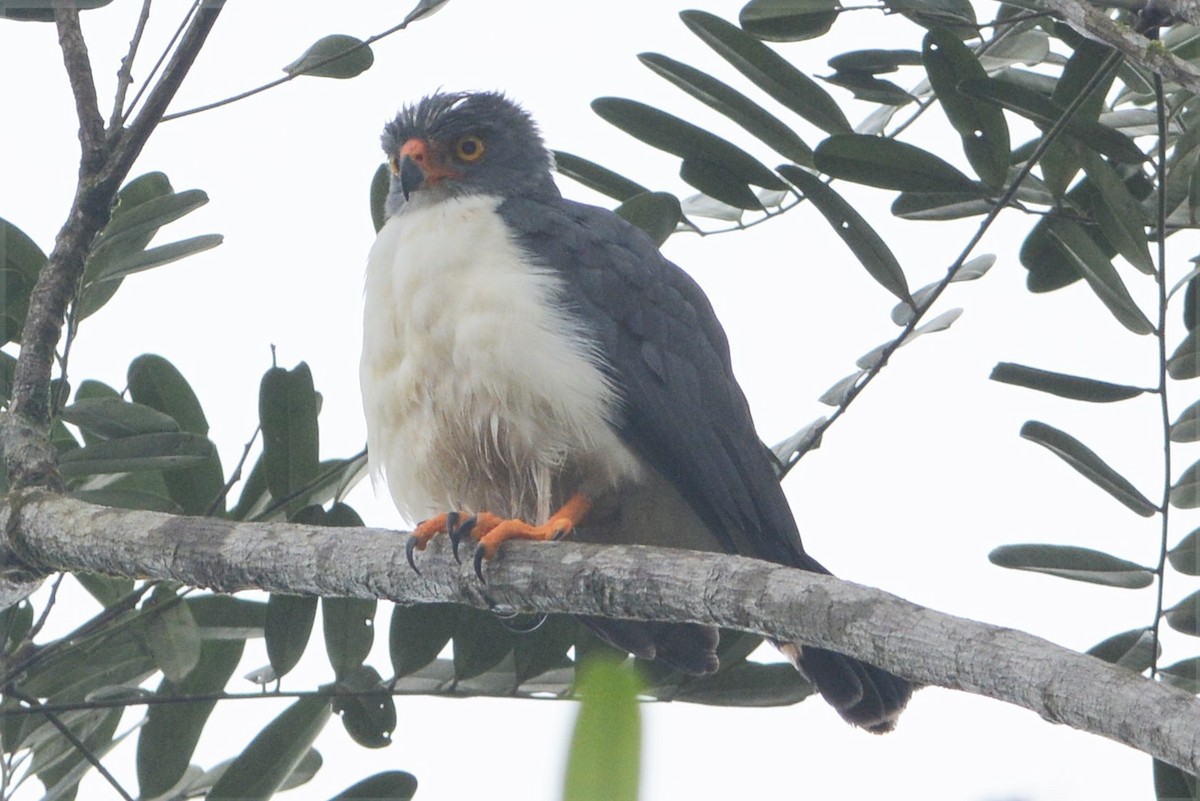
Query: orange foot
{"points": [[491, 531]]}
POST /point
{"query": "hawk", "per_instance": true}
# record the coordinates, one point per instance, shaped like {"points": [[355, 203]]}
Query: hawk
{"points": [[533, 367]]}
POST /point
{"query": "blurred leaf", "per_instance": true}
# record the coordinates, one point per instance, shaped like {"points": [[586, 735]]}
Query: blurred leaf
{"points": [[595, 177], [1186, 427], [393, 785], [1185, 494], [868, 247], [1183, 616], [717, 182], [270, 758], [788, 20], [1184, 674], [481, 642], [889, 164], [1118, 212], [839, 392], [768, 70], [972, 270], [793, 449], [417, 634], [115, 417], [1133, 650], [1044, 112], [939, 205], [604, 759], [656, 213], [122, 265], [1063, 385], [20, 261], [171, 634], [733, 104], [41, 10], [1185, 557], [324, 58], [107, 590], [168, 739], [1089, 465], [367, 709], [683, 139], [381, 184], [1071, 562], [162, 451], [287, 627], [957, 15], [545, 648], [133, 226], [981, 125], [1185, 361], [61, 765], [349, 625], [875, 60], [1100, 274], [223, 617], [287, 408]]}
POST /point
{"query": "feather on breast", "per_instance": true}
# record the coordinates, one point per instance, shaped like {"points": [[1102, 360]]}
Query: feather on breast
{"points": [[481, 391]]}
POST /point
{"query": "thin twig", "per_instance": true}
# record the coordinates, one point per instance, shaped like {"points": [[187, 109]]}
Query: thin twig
{"points": [[234, 477], [162, 57], [77, 743], [41, 621], [125, 73]]}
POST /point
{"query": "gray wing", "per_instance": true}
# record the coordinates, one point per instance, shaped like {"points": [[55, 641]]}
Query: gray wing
{"points": [[683, 410]]}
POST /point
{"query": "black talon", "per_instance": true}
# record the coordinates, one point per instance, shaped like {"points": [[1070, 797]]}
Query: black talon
{"points": [[457, 530], [409, 547], [480, 551]]}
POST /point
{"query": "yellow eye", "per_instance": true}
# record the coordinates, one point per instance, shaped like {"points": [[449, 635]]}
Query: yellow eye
{"points": [[469, 148]]}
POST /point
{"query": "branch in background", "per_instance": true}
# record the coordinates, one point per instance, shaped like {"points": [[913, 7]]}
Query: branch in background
{"points": [[28, 454], [51, 532]]}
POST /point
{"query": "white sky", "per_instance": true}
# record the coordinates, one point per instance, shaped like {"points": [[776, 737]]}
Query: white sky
{"points": [[909, 493]]}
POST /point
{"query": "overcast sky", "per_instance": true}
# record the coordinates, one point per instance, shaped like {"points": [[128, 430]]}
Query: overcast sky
{"points": [[909, 492]]}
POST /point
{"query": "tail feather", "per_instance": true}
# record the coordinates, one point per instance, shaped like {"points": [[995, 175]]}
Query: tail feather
{"points": [[862, 694]]}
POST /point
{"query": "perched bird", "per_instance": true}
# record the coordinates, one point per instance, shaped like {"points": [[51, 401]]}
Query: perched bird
{"points": [[533, 367]]}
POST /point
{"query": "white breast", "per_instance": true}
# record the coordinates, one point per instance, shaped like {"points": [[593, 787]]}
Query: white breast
{"points": [[478, 389]]}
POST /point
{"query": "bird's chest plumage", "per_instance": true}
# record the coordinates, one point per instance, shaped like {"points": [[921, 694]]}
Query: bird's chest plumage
{"points": [[481, 391]]}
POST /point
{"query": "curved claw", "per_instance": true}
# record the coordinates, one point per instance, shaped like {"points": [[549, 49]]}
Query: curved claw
{"points": [[409, 548], [457, 530], [480, 555]]}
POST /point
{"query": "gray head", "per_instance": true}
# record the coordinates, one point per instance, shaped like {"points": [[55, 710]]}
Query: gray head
{"points": [[465, 143]]}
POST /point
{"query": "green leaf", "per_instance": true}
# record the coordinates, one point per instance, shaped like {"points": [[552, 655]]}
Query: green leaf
{"points": [[1100, 274], [1185, 361], [1133, 650], [717, 182], [155, 382], [41, 10], [1072, 562], [131, 230], [1118, 212], [869, 88], [788, 20], [889, 164], [287, 408], [162, 451], [683, 139], [381, 184], [171, 634], [1185, 616], [656, 213], [1185, 557], [1186, 427], [958, 15], [287, 627], [768, 70], [392, 785], [111, 418], [545, 648], [1173, 784], [939, 205], [749, 684], [1044, 112], [417, 634], [733, 104], [875, 60], [868, 247], [981, 125], [270, 758], [481, 642], [1063, 385], [1089, 465], [20, 262], [107, 590], [971, 270], [333, 56], [604, 757], [349, 625], [121, 265], [367, 709], [1184, 674], [223, 617], [1185, 494], [593, 176], [168, 739], [60, 765]]}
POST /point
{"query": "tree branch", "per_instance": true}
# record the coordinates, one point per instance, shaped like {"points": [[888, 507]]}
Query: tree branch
{"points": [[28, 454], [50, 532]]}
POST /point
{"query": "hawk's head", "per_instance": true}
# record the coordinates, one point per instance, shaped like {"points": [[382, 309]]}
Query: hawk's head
{"points": [[464, 143]]}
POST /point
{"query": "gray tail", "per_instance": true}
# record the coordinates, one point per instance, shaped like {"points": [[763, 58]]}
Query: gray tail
{"points": [[863, 694]]}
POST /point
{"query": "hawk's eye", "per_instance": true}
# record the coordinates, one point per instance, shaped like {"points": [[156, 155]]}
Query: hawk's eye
{"points": [[469, 148]]}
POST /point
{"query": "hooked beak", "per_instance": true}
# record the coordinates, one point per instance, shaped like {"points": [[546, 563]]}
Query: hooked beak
{"points": [[420, 163]]}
